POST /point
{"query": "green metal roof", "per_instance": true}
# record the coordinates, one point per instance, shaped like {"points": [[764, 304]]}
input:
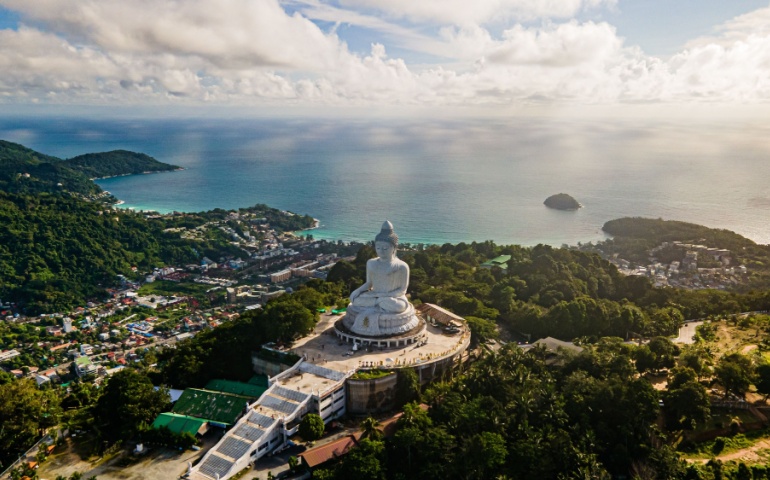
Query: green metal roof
{"points": [[238, 388], [179, 423], [215, 406], [499, 261]]}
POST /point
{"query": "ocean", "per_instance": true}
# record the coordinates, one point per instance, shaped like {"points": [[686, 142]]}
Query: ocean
{"points": [[437, 180]]}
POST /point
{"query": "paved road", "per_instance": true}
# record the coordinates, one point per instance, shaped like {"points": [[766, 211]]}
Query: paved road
{"points": [[687, 332]]}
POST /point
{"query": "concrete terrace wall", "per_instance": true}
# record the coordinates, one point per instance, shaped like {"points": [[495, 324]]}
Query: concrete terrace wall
{"points": [[369, 396], [436, 369], [268, 367], [378, 395]]}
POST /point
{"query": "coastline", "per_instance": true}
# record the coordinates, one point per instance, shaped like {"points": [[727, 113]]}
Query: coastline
{"points": [[148, 172]]}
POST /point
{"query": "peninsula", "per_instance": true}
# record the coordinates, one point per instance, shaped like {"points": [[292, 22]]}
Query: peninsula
{"points": [[23, 170]]}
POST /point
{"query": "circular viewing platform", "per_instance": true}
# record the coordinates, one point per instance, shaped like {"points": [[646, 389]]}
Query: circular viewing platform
{"points": [[415, 335]]}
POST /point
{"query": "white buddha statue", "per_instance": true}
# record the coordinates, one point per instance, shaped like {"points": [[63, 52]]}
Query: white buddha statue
{"points": [[379, 306]]}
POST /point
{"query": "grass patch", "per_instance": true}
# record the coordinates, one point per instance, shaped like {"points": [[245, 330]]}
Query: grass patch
{"points": [[370, 374], [725, 445], [165, 288], [721, 418]]}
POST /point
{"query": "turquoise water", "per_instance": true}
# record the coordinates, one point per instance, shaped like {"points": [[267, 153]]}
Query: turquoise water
{"points": [[437, 181]]}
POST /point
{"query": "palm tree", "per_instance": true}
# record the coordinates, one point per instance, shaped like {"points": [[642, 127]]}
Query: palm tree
{"points": [[369, 427]]}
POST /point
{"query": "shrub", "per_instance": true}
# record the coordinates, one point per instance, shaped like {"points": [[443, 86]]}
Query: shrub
{"points": [[719, 445]]}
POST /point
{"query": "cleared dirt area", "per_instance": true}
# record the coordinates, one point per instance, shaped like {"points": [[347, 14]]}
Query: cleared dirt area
{"points": [[162, 463], [757, 453]]}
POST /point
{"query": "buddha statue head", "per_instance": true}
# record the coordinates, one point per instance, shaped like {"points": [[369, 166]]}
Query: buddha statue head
{"points": [[386, 242], [387, 234]]}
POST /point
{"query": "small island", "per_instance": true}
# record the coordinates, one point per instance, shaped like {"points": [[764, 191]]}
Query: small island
{"points": [[562, 201]]}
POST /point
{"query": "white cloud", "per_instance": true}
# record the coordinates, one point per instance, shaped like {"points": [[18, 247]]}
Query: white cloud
{"points": [[226, 33], [34, 62], [247, 52], [557, 45]]}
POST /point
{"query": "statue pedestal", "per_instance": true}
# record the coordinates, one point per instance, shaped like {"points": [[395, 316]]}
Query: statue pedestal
{"points": [[368, 326], [415, 335], [372, 322]]}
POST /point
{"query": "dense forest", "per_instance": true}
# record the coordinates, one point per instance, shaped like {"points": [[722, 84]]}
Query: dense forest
{"points": [[23, 170], [515, 416], [57, 251]]}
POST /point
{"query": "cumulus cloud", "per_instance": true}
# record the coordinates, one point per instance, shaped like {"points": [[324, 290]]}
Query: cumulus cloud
{"points": [[227, 33], [734, 64], [248, 52]]}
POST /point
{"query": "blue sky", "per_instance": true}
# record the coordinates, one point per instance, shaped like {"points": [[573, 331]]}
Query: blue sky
{"points": [[663, 27], [488, 54]]}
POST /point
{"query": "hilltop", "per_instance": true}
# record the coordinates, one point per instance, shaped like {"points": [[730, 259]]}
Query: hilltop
{"points": [[115, 163], [23, 170]]}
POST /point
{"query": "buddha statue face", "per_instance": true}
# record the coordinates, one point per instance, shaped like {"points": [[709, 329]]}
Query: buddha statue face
{"points": [[385, 250]]}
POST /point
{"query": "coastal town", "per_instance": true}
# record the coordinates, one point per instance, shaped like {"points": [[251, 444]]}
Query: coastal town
{"points": [[683, 265], [158, 308]]}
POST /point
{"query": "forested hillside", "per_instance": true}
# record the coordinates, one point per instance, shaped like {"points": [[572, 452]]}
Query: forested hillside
{"points": [[56, 251], [117, 162], [513, 416], [23, 170]]}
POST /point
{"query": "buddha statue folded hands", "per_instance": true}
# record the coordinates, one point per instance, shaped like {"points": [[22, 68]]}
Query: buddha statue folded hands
{"points": [[379, 307]]}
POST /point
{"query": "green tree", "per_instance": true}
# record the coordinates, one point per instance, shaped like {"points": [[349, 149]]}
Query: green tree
{"points": [[482, 455], [481, 330], [696, 358], [25, 411], [743, 472], [686, 401], [644, 358], [288, 319], [407, 387], [311, 427], [734, 373], [364, 461], [128, 405], [762, 379], [369, 428], [664, 351]]}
